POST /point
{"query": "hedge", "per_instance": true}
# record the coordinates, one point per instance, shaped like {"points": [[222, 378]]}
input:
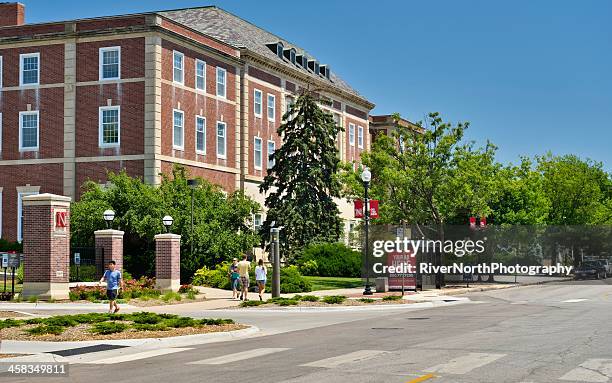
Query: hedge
{"points": [[330, 260]]}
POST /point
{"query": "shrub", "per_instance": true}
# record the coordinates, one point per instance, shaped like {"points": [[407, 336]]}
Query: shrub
{"points": [[144, 318], [46, 329], [10, 246], [217, 277], [251, 303], [180, 322], [292, 281], [33, 299], [287, 302], [87, 293], [216, 322], [334, 299], [309, 298], [34, 321], [60, 320], [10, 323], [331, 260], [366, 300], [150, 327], [392, 298], [108, 328], [171, 295], [186, 289]]}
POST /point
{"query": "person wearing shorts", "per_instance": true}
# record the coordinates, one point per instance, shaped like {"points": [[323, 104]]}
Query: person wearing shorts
{"points": [[261, 277], [243, 270], [234, 277], [113, 281]]}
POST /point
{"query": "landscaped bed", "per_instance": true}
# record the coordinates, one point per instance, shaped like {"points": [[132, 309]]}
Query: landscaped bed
{"points": [[326, 301], [99, 326]]}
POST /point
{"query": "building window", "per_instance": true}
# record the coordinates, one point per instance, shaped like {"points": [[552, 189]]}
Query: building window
{"points": [[20, 213], [110, 63], [221, 130], [360, 136], [271, 107], [178, 64], [221, 82], [29, 69], [178, 129], [257, 155], [200, 79], [257, 220], [28, 131], [109, 126], [271, 150], [352, 134], [257, 102], [200, 135], [289, 101]]}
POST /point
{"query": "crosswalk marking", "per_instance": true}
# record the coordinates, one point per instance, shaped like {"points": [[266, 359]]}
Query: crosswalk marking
{"points": [[136, 356], [235, 357], [574, 300], [346, 358], [465, 364], [592, 370]]}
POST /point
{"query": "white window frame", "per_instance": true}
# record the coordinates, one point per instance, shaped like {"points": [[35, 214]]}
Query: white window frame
{"points": [[270, 163], [273, 118], [352, 134], [101, 142], [20, 213], [255, 225], [221, 70], [182, 68], [255, 92], [101, 63], [29, 148], [198, 117], [224, 155], [182, 146], [197, 62], [255, 165], [360, 137], [21, 57]]}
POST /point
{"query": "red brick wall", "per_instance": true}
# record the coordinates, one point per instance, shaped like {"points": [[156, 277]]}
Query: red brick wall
{"points": [[132, 58], [48, 176], [11, 14], [261, 126], [130, 97], [50, 104], [51, 64], [224, 179], [168, 258], [354, 152], [113, 249], [110, 22]]}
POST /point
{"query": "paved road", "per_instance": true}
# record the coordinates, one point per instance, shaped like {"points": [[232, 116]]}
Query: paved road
{"points": [[549, 333]]}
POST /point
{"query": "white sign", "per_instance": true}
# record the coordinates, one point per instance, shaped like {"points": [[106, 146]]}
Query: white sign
{"points": [[59, 274], [5, 258], [77, 259]]}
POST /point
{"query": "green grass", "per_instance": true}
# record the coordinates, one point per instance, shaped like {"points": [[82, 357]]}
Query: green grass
{"points": [[331, 283]]}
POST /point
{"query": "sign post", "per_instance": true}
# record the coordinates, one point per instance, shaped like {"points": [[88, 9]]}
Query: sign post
{"points": [[77, 263], [275, 245]]}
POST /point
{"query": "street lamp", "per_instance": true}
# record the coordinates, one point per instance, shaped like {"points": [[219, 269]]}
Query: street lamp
{"points": [[366, 177], [109, 216], [193, 183], [167, 220]]}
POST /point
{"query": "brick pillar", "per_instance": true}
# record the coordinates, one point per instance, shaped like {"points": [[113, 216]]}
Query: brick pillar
{"points": [[46, 246], [111, 243], [168, 262]]}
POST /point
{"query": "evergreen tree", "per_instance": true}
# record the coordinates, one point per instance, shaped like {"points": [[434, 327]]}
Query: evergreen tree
{"points": [[301, 185]]}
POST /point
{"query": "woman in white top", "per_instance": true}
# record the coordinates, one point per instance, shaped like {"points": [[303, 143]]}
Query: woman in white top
{"points": [[260, 277]]}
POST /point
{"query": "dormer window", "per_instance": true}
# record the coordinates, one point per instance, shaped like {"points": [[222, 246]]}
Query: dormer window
{"points": [[325, 71], [313, 65], [277, 48], [302, 60], [290, 55]]}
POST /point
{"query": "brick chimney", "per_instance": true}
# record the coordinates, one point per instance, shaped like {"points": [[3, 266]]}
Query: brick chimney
{"points": [[11, 14]]}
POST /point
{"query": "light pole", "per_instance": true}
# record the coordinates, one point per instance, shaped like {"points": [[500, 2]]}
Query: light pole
{"points": [[366, 176], [109, 216], [193, 183], [167, 221]]}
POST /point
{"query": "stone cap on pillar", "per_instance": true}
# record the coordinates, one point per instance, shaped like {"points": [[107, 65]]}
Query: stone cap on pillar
{"points": [[46, 199], [167, 237], [108, 233]]}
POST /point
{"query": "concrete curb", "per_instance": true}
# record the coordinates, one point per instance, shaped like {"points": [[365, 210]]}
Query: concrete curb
{"points": [[289, 309], [33, 347], [502, 287], [60, 306]]}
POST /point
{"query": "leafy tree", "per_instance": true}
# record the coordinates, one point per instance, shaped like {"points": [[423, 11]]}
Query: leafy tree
{"points": [[221, 229], [301, 185]]}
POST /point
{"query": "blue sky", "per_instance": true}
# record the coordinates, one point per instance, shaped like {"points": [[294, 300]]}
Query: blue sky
{"points": [[531, 76]]}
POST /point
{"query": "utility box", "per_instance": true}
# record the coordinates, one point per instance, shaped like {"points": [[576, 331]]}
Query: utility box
{"points": [[382, 284]]}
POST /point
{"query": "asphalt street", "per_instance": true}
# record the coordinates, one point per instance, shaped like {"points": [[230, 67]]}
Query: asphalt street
{"points": [[547, 333]]}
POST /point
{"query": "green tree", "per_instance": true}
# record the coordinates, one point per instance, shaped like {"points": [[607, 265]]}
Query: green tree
{"points": [[221, 223], [301, 185]]}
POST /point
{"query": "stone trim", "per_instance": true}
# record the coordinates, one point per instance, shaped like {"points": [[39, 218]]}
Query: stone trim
{"points": [[197, 164]]}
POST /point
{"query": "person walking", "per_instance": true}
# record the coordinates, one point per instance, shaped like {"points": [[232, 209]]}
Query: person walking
{"points": [[261, 277], [243, 270], [113, 281], [234, 277]]}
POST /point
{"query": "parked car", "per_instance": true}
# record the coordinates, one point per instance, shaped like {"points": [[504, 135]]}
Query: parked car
{"points": [[590, 269], [606, 264]]}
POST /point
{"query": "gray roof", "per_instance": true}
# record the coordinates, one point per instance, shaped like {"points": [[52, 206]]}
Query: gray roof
{"points": [[239, 33]]}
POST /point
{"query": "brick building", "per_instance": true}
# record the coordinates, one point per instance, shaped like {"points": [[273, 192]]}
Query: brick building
{"points": [[199, 87]]}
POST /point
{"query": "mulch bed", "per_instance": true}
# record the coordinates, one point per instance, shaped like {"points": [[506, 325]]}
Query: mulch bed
{"points": [[11, 314], [81, 332]]}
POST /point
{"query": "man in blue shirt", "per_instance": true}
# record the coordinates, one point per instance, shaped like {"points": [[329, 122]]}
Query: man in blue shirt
{"points": [[113, 281]]}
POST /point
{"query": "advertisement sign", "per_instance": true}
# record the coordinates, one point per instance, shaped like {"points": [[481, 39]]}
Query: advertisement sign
{"points": [[396, 279], [14, 260]]}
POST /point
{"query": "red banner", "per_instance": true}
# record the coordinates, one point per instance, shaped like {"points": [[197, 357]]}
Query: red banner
{"points": [[358, 207]]}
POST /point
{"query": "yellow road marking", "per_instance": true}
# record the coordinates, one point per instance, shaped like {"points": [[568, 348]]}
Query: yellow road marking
{"points": [[421, 378]]}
